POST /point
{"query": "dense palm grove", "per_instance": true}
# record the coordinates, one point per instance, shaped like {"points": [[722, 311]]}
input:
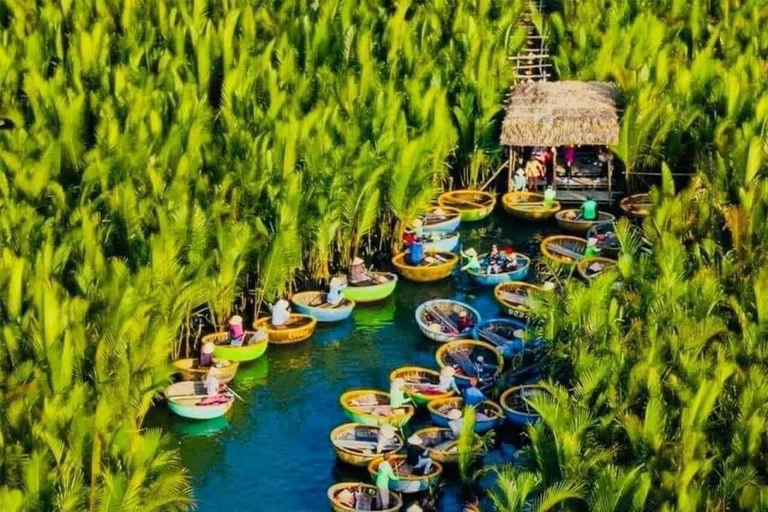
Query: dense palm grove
{"points": [[171, 156]]}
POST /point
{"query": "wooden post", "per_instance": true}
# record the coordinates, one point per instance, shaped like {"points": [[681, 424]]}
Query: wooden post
{"points": [[610, 177], [511, 169]]}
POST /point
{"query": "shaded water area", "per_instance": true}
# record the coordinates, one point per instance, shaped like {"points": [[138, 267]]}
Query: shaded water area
{"points": [[272, 453]]}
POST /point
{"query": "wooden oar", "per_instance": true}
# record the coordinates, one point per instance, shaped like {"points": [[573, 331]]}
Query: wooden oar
{"points": [[515, 298], [465, 201], [494, 338], [446, 322], [234, 393], [562, 251]]}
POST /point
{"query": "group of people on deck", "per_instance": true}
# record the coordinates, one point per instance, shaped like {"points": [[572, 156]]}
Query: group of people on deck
{"points": [[495, 262]]}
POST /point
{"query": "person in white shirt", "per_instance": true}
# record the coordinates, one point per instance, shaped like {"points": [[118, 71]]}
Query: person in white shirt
{"points": [[211, 385], [280, 313]]}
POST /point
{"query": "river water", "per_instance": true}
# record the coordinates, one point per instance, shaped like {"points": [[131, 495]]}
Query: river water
{"points": [[272, 453]]}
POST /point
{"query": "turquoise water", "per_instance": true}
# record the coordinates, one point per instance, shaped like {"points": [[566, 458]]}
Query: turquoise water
{"points": [[272, 453]]}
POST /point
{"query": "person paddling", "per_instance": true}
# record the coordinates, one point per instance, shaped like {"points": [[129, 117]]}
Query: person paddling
{"points": [[335, 294], [589, 209], [549, 198], [473, 262], [591, 250], [281, 313], [384, 475]]}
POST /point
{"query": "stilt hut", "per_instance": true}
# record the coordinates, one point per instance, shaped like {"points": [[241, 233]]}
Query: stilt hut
{"points": [[559, 114]]}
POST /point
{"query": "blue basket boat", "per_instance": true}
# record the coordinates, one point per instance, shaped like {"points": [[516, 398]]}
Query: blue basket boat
{"points": [[441, 218], [439, 241], [489, 415], [517, 409], [313, 304], [482, 278], [503, 333], [438, 319]]}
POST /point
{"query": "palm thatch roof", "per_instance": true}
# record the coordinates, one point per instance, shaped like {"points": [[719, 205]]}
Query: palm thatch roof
{"points": [[560, 113]]}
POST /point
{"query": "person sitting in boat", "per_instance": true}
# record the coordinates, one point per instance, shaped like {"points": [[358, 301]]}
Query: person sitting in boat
{"points": [[589, 209], [415, 251], [465, 322], [510, 259], [482, 368], [212, 386], [417, 456], [385, 437], [521, 185], [455, 421], [384, 474], [257, 337], [591, 250], [473, 263], [335, 294], [447, 381], [206, 355], [358, 274], [549, 198], [397, 396], [281, 313], [472, 395], [236, 333], [493, 262]]}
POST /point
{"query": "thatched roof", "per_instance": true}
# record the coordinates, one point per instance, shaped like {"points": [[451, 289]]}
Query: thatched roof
{"points": [[560, 113]]}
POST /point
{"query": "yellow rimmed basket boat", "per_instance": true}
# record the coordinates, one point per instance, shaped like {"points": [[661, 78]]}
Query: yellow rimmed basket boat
{"points": [[528, 206], [569, 220], [443, 446], [408, 483], [372, 407], [515, 298], [489, 414], [563, 249], [365, 496], [474, 205], [637, 205], [420, 384], [462, 355], [356, 444], [298, 329], [436, 266], [222, 369], [590, 268], [243, 353]]}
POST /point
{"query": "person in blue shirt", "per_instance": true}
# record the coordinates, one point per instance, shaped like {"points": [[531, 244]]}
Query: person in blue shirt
{"points": [[473, 396]]}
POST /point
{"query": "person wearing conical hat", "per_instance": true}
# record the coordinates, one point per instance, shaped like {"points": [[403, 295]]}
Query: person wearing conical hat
{"points": [[455, 421], [549, 197], [591, 250], [397, 396], [416, 456], [447, 380], [281, 313], [335, 294], [384, 475], [472, 262], [414, 508], [236, 333], [357, 272], [206, 355], [385, 438], [521, 184]]}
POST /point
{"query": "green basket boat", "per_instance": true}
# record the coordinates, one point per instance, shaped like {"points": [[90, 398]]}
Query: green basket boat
{"points": [[184, 399], [241, 354], [372, 292], [371, 407]]}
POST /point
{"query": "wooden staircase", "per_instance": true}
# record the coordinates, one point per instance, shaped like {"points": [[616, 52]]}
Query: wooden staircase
{"points": [[532, 62]]}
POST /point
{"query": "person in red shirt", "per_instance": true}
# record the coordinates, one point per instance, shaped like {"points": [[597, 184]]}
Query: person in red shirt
{"points": [[465, 322]]}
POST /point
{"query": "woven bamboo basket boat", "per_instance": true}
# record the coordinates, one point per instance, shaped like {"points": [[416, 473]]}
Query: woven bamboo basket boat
{"points": [[440, 218], [462, 355], [502, 333], [474, 205], [516, 408], [184, 399], [439, 241], [298, 329], [528, 206], [420, 384], [490, 415], [437, 319], [482, 278], [515, 298], [313, 304], [569, 221], [427, 272], [382, 287], [637, 205], [243, 354], [222, 369], [563, 249], [356, 444], [441, 443], [371, 407], [367, 492], [408, 483], [588, 268]]}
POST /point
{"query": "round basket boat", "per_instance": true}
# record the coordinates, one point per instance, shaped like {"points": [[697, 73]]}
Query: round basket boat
{"points": [[244, 353], [439, 241], [222, 369], [298, 328], [186, 399], [420, 384], [437, 318], [483, 278], [528, 206], [637, 205], [462, 356], [356, 444], [366, 493], [514, 402], [590, 268], [436, 266], [441, 218], [563, 249], [489, 415], [515, 298], [371, 407], [473, 204], [607, 239], [313, 304], [380, 288], [503, 334], [441, 443], [408, 482], [569, 220]]}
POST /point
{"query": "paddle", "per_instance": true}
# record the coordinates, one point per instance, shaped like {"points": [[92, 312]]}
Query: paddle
{"points": [[464, 201], [444, 321], [559, 249], [234, 393], [515, 298], [494, 338]]}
